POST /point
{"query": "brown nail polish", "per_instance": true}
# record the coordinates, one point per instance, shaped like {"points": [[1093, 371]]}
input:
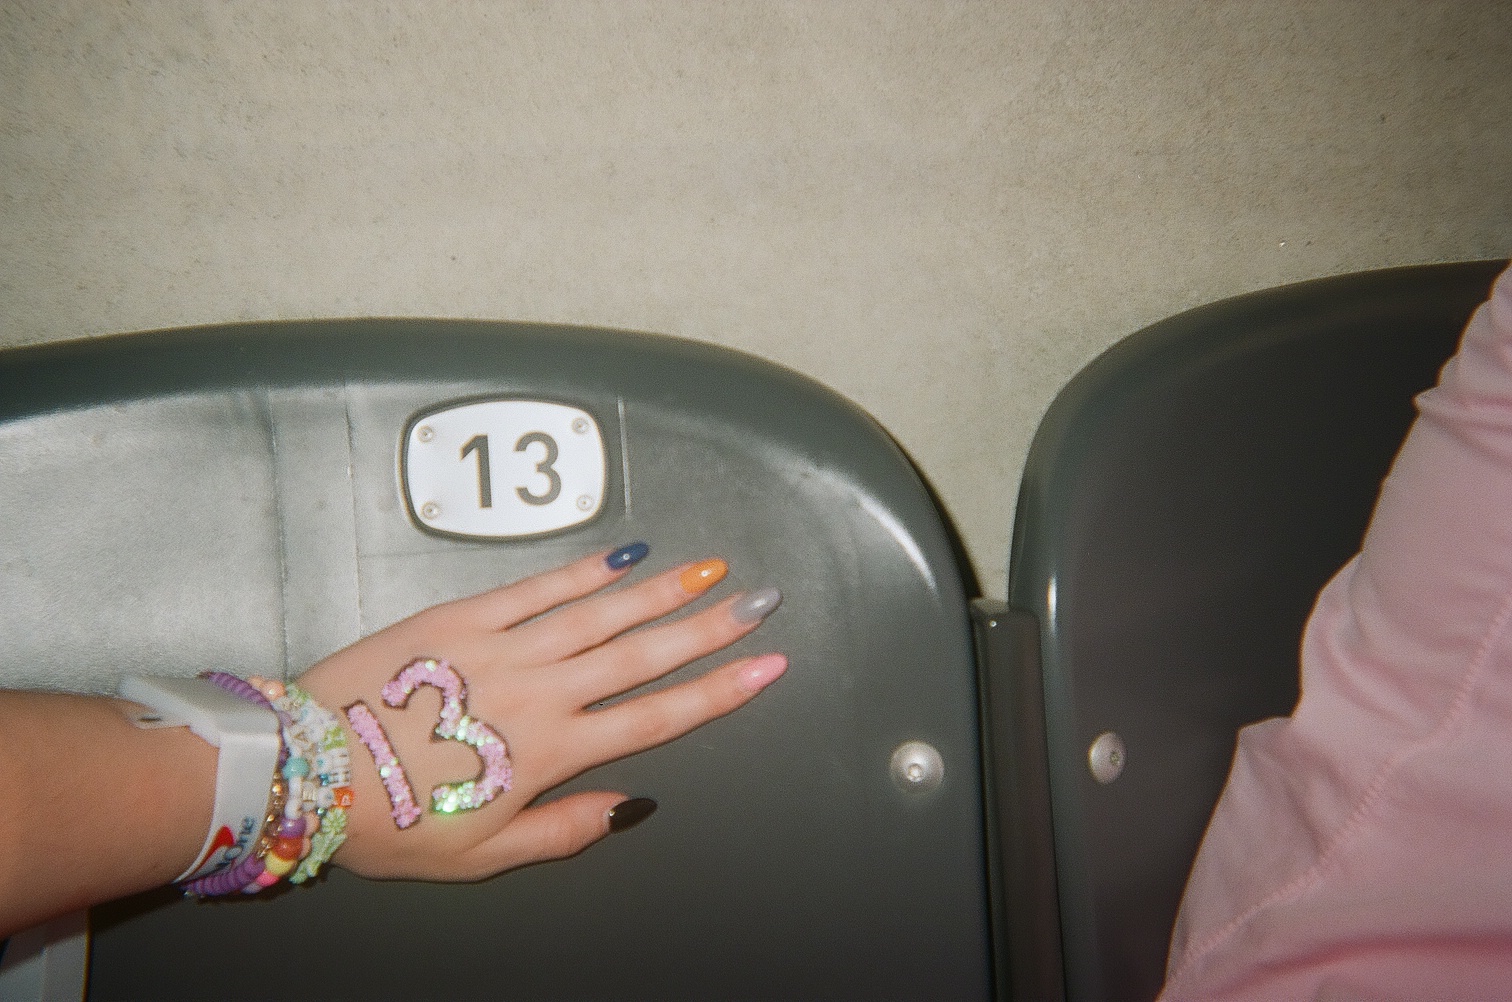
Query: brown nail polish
{"points": [[629, 813]]}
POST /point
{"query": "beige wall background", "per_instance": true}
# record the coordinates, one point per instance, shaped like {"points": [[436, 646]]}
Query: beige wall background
{"points": [[941, 209]]}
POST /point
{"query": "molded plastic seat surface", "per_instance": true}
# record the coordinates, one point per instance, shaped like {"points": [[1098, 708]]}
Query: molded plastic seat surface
{"points": [[1185, 498], [232, 498]]}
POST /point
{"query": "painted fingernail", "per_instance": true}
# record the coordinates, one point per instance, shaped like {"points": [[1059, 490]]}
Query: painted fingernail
{"points": [[762, 672], [628, 813], [702, 577], [627, 556], [755, 606]]}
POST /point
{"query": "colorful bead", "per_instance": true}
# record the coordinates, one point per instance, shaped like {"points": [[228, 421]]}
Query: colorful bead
{"points": [[325, 794], [271, 689], [278, 865], [288, 848]]}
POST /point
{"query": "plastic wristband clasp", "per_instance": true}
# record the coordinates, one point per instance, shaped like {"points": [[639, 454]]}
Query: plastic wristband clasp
{"points": [[248, 738]]}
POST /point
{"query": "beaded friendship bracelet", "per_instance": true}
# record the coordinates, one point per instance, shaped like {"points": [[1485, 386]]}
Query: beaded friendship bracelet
{"points": [[310, 790], [309, 793], [319, 774]]}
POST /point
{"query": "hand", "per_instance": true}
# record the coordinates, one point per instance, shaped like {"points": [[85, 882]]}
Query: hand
{"points": [[534, 667]]}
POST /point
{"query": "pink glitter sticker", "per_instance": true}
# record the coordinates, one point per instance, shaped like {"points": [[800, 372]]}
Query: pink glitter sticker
{"points": [[401, 796], [455, 725]]}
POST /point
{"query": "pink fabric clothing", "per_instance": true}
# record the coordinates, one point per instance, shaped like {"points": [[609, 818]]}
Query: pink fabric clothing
{"points": [[1363, 846]]}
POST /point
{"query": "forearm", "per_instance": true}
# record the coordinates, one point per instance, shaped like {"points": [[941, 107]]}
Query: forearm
{"points": [[91, 807]]}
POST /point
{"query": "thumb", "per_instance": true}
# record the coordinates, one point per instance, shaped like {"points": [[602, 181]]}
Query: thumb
{"points": [[559, 828]]}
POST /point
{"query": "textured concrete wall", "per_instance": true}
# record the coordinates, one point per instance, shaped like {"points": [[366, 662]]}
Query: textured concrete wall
{"points": [[942, 209]]}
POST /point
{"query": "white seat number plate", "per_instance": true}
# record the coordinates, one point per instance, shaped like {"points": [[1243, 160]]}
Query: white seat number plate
{"points": [[498, 469]]}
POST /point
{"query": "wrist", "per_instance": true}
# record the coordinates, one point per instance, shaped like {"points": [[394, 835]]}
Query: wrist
{"points": [[246, 734]]}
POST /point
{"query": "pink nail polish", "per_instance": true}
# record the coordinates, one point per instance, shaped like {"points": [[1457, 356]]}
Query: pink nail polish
{"points": [[762, 672]]}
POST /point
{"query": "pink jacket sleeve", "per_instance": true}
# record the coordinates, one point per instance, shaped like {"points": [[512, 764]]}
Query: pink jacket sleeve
{"points": [[1362, 848]]}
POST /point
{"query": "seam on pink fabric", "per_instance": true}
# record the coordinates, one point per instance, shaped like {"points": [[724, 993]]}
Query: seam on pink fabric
{"points": [[1368, 801]]}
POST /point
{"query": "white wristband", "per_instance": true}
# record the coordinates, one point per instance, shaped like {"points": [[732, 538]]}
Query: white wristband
{"points": [[248, 738]]}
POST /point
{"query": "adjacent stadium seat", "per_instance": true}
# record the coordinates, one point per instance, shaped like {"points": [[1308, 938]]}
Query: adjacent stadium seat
{"points": [[1185, 498]]}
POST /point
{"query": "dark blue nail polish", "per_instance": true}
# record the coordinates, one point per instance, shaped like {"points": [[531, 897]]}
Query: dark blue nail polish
{"points": [[627, 556]]}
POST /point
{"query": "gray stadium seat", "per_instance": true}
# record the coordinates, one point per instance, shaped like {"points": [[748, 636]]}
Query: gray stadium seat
{"points": [[233, 498], [1185, 498]]}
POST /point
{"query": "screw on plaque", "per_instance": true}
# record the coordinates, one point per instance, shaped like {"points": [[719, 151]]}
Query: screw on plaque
{"points": [[430, 510], [580, 425], [425, 433], [585, 503]]}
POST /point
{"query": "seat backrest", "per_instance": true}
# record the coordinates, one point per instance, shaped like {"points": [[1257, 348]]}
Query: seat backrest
{"points": [[239, 498], [1185, 498]]}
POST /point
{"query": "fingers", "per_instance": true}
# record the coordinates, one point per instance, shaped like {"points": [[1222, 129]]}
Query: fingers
{"points": [[567, 826], [659, 717], [555, 830], [589, 623], [649, 654], [503, 607]]}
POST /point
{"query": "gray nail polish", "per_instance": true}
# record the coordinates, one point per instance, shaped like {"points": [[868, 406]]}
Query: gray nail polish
{"points": [[755, 606]]}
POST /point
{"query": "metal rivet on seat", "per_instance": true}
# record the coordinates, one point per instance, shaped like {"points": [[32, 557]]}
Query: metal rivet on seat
{"points": [[1106, 757], [917, 767]]}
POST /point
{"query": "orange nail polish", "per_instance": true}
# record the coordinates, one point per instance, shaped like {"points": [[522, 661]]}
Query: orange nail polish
{"points": [[702, 577]]}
